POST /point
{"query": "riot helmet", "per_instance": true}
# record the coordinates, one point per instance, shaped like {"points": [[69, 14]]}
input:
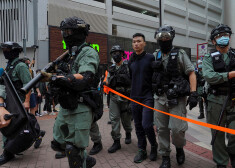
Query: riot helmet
{"points": [[221, 34], [74, 31], [117, 53], [164, 36], [11, 50]]}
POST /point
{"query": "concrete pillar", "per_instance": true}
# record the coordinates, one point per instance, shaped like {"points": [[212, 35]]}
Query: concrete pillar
{"points": [[229, 14], [109, 13]]}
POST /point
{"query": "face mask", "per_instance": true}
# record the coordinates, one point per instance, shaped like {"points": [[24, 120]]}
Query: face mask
{"points": [[165, 46], [117, 58], [10, 55], [222, 41], [200, 66], [75, 39]]}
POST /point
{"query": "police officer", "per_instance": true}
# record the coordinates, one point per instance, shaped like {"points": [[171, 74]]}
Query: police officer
{"points": [[200, 89], [73, 123], [119, 80], [172, 68], [141, 90], [218, 70]]}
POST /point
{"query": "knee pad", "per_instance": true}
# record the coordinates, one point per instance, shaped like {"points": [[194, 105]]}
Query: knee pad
{"points": [[56, 146], [73, 154]]}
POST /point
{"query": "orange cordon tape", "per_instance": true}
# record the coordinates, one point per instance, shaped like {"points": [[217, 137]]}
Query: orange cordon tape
{"points": [[219, 128]]}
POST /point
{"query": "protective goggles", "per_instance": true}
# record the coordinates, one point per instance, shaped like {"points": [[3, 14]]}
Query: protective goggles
{"points": [[163, 36], [222, 34]]}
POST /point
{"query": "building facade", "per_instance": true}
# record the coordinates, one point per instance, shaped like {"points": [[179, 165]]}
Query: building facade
{"points": [[112, 22]]}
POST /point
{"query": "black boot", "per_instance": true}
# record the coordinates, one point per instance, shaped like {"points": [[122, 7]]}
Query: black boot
{"points": [[201, 116], [6, 157], [232, 160], [72, 152], [180, 156], [166, 162], [141, 155], [97, 147], [90, 162], [153, 153], [128, 138], [60, 155], [116, 145], [39, 139]]}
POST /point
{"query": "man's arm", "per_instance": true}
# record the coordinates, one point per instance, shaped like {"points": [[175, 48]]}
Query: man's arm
{"points": [[3, 111], [27, 101], [193, 81]]}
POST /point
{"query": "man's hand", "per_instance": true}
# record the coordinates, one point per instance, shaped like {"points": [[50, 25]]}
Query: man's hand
{"points": [[26, 105], [3, 122], [192, 100], [47, 76], [39, 95]]}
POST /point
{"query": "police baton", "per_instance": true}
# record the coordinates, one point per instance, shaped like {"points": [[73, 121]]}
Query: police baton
{"points": [[220, 118]]}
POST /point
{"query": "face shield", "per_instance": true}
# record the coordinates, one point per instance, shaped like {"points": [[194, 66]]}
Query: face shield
{"points": [[163, 36]]}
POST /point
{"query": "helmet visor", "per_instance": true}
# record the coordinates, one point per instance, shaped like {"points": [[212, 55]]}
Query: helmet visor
{"points": [[67, 32], [163, 36], [114, 53]]}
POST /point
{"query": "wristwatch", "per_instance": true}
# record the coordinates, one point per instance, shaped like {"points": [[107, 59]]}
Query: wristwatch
{"points": [[2, 104]]}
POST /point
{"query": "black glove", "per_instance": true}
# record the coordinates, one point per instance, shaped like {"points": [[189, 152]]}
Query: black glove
{"points": [[192, 100]]}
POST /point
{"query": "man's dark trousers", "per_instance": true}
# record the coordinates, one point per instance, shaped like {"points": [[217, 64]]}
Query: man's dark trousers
{"points": [[143, 118]]}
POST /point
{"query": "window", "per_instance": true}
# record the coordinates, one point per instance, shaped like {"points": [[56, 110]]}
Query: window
{"points": [[134, 9], [114, 30]]}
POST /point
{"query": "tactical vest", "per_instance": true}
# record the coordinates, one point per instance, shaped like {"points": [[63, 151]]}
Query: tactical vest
{"points": [[220, 66], [120, 78], [163, 80]]}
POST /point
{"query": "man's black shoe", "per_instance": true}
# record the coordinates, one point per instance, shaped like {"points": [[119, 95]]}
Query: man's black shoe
{"points": [[153, 153], [39, 139], [116, 145], [60, 155], [180, 156], [109, 122], [221, 166], [166, 162], [141, 155], [6, 157], [128, 138], [201, 116], [90, 162], [97, 147]]}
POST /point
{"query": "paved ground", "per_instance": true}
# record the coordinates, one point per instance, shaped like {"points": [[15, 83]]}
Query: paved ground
{"points": [[198, 150]]}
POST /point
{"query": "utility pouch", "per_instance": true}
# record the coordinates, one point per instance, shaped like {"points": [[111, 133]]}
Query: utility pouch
{"points": [[68, 99], [95, 100]]}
